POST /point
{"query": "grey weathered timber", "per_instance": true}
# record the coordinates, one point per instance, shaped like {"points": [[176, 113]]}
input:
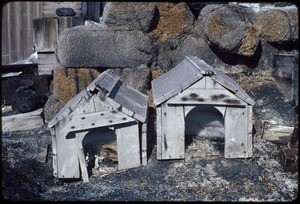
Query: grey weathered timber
{"points": [[46, 63], [105, 103], [23, 121], [195, 99], [128, 146]]}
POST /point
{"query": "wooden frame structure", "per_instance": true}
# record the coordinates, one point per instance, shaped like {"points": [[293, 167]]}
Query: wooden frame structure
{"points": [[106, 102], [191, 84]]}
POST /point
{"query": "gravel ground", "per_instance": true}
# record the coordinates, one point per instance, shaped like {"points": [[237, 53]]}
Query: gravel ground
{"points": [[259, 178]]}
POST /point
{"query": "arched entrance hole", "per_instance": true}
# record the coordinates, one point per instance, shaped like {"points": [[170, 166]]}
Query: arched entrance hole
{"points": [[204, 131], [93, 143]]}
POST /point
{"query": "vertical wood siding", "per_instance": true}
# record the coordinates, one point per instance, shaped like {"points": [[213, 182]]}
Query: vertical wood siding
{"points": [[17, 30], [17, 26]]}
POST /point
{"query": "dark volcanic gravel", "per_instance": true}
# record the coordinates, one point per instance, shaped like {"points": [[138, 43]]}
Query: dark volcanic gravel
{"points": [[259, 178]]}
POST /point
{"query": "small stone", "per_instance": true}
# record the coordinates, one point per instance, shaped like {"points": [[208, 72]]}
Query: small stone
{"points": [[65, 12]]}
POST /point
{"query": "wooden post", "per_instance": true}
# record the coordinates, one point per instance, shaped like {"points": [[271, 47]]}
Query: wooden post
{"points": [[81, 157]]}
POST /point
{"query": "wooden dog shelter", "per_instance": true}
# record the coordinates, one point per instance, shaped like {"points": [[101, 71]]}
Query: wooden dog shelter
{"points": [[194, 88], [105, 103]]}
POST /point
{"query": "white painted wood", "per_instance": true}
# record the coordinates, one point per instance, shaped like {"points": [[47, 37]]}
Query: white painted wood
{"points": [[23, 121], [274, 133], [96, 119], [211, 84], [128, 146], [250, 126], [67, 155], [173, 136], [200, 84], [54, 154], [47, 61], [158, 132], [144, 144], [236, 134], [188, 108], [81, 157], [207, 96]]}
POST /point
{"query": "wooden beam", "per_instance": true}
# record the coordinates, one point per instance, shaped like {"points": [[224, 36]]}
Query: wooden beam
{"points": [[7, 68], [23, 121], [98, 119]]}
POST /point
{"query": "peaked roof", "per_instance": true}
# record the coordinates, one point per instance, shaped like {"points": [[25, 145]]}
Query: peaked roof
{"points": [[118, 95], [186, 73]]}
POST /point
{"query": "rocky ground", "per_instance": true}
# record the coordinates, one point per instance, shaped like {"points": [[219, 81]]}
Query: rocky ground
{"points": [[204, 175], [210, 178]]}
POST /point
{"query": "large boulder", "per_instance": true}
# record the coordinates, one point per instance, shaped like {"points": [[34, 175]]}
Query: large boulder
{"points": [[230, 28], [131, 15], [137, 78], [278, 25], [174, 19], [173, 50], [100, 46]]}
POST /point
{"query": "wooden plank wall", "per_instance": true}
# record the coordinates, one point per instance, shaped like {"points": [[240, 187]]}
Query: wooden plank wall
{"points": [[17, 26], [17, 30]]}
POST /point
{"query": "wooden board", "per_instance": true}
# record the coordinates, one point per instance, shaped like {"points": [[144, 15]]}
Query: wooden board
{"points": [[22, 122], [81, 157], [207, 96], [279, 134], [96, 119], [173, 137], [128, 145], [67, 156], [47, 61], [236, 135], [158, 132]]}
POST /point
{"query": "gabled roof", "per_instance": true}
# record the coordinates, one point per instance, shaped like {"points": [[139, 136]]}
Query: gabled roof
{"points": [[118, 95], [186, 73]]}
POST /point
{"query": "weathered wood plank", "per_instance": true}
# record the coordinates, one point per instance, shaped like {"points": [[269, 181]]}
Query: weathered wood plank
{"points": [[173, 135], [67, 155], [279, 134], [42, 151], [236, 133], [23, 121], [144, 144], [47, 61], [96, 119], [81, 157], [128, 146], [210, 97], [158, 133]]}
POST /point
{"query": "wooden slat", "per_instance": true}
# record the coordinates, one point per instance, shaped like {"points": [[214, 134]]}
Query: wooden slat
{"points": [[128, 146], [54, 152], [172, 132], [207, 96], [81, 157], [144, 144], [67, 155], [47, 61], [280, 134], [23, 121], [236, 142], [87, 121], [158, 132]]}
